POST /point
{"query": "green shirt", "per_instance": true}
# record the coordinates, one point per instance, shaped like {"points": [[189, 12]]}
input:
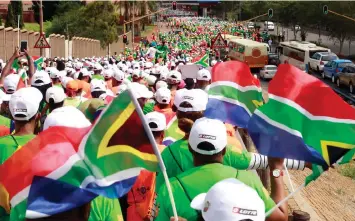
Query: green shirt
{"points": [[105, 209], [148, 107], [178, 159], [8, 146], [198, 180]]}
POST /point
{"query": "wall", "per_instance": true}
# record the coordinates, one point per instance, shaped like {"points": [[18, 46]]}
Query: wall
{"points": [[78, 47]]}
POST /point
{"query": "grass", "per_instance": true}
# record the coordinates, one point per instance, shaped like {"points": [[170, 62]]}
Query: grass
{"points": [[35, 26], [147, 30], [348, 170]]}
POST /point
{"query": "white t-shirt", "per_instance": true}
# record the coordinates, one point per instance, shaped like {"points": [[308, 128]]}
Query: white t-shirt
{"points": [[151, 52]]}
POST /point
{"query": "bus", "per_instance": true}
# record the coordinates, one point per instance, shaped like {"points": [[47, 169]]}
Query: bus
{"points": [[253, 53], [298, 53]]}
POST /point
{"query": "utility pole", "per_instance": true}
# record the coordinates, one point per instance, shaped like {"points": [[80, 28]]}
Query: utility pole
{"points": [[41, 23]]}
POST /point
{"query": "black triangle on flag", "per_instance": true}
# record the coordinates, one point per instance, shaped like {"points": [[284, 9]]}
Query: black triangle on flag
{"points": [[335, 153]]}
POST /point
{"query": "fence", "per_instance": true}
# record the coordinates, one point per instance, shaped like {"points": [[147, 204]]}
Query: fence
{"points": [[78, 47]]}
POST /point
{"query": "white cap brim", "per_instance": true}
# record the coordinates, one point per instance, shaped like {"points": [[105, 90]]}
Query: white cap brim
{"points": [[198, 202], [148, 94]]}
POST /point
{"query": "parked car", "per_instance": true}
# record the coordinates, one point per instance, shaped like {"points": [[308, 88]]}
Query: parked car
{"points": [[269, 25], [250, 25], [346, 77], [333, 67], [319, 59], [268, 71]]}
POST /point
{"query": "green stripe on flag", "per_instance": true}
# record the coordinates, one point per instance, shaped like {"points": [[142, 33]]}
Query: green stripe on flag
{"points": [[251, 98], [316, 172]]}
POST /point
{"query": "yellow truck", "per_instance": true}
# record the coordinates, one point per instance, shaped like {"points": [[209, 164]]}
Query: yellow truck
{"points": [[253, 53]]}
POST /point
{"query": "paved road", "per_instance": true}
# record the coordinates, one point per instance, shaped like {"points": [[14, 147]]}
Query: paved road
{"points": [[312, 36]]}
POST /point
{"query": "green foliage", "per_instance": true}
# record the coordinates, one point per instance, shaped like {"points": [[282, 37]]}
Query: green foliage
{"points": [[10, 19], [97, 20], [49, 9], [35, 26], [17, 10]]}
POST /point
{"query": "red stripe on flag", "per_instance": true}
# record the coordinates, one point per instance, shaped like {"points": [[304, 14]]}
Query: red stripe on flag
{"points": [[234, 71], [40, 157], [309, 92]]}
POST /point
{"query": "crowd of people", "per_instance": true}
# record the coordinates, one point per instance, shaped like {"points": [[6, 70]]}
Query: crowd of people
{"points": [[210, 173]]}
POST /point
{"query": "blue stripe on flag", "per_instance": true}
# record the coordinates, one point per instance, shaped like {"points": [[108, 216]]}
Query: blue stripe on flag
{"points": [[49, 197], [275, 142], [227, 112]]}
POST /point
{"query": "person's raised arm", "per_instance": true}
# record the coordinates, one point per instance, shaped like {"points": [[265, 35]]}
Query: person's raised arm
{"points": [[31, 65], [277, 189], [7, 68]]}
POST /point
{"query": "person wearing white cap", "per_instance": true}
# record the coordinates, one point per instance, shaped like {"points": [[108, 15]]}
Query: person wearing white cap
{"points": [[54, 74], [98, 87], [42, 82], [207, 143], [24, 105], [10, 83], [142, 94], [55, 97], [163, 98], [203, 79], [230, 200], [161, 84], [157, 124], [108, 74]]}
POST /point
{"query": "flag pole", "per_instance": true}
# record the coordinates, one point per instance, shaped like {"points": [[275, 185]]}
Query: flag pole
{"points": [[155, 148], [289, 178], [18, 31], [285, 199]]}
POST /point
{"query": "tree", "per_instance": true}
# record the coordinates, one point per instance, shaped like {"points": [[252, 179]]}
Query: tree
{"points": [[97, 20], [49, 9], [17, 10], [10, 18]]}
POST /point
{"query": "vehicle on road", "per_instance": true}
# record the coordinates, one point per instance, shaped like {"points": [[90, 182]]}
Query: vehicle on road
{"points": [[250, 25], [269, 25], [253, 53], [297, 28], [273, 59], [268, 71], [333, 67], [298, 53], [347, 78], [319, 59]]}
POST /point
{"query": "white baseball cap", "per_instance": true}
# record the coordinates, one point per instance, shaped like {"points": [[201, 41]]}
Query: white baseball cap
{"points": [[208, 136], [151, 80], [174, 77], [118, 75], [203, 75], [97, 85], [178, 96], [85, 72], [65, 81], [148, 65], [163, 95], [137, 73], [56, 93], [67, 116], [54, 73], [40, 78], [24, 103], [107, 73], [156, 121], [161, 84], [141, 91], [196, 97], [230, 200], [11, 82]]}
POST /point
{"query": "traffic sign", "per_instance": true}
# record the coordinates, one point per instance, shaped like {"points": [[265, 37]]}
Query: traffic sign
{"points": [[218, 42], [270, 12], [42, 42], [325, 9]]}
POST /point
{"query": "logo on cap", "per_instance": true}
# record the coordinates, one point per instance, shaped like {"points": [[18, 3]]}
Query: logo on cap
{"points": [[187, 98], [206, 136], [245, 211], [22, 110], [207, 206]]}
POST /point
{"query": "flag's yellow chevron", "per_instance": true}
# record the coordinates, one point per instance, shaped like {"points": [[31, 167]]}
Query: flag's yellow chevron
{"points": [[103, 149], [324, 145], [257, 103]]}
